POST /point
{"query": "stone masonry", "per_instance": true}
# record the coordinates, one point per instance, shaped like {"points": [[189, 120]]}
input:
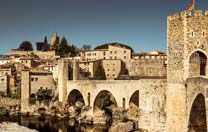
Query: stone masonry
{"points": [[176, 103]]}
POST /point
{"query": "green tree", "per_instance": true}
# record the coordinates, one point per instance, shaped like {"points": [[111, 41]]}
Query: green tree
{"points": [[74, 50], [64, 49], [55, 45], [26, 46]]}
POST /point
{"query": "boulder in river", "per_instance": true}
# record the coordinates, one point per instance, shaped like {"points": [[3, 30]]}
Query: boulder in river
{"points": [[122, 127]]}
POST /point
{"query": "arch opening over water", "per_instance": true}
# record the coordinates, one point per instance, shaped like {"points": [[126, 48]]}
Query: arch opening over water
{"points": [[197, 119], [134, 105], [104, 100], [75, 96]]}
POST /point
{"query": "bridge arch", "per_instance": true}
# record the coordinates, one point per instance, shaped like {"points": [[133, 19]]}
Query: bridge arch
{"points": [[134, 98], [102, 99], [134, 105], [197, 63], [197, 115], [74, 96]]}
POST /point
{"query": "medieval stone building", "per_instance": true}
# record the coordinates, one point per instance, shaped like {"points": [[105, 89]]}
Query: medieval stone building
{"points": [[174, 100]]}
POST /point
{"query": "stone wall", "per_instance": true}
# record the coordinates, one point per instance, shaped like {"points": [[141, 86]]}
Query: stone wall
{"points": [[186, 34], [8, 102], [4, 84], [41, 54], [112, 68], [148, 65], [41, 81]]}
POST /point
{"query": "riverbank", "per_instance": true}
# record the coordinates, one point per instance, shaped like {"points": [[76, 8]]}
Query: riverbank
{"points": [[14, 127]]}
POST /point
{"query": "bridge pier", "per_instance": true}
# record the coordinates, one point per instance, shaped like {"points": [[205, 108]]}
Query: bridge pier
{"points": [[176, 108], [62, 80], [25, 90], [206, 105]]}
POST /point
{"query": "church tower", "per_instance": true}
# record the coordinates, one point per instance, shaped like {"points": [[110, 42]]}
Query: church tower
{"points": [[187, 42]]}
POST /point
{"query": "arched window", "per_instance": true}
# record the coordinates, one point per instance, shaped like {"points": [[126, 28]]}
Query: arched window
{"points": [[124, 103], [88, 98], [197, 64]]}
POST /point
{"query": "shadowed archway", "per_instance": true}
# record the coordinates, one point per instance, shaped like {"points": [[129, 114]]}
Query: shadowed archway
{"points": [[134, 105], [103, 100], [75, 96], [135, 98], [197, 119]]}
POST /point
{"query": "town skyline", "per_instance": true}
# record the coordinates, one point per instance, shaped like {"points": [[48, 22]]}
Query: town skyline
{"points": [[141, 25]]}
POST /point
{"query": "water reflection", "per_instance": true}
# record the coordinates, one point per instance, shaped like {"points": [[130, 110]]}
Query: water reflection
{"points": [[54, 125]]}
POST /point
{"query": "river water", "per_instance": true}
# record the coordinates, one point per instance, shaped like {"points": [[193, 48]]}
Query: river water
{"points": [[53, 124]]}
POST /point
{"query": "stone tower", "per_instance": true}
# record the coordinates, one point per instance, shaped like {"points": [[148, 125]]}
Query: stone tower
{"points": [[187, 42], [54, 41]]}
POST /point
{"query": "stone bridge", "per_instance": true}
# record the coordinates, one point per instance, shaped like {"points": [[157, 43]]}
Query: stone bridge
{"points": [[147, 94], [122, 90]]}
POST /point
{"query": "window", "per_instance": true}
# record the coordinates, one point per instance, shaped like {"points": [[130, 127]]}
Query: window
{"points": [[36, 79], [124, 103], [192, 34], [115, 52], [115, 57], [124, 51], [203, 33], [104, 53], [110, 57], [32, 79], [124, 57], [111, 52], [2, 79]]}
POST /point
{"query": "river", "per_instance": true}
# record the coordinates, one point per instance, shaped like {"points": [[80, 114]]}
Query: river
{"points": [[43, 124]]}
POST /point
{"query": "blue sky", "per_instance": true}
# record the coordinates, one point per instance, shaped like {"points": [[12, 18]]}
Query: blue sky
{"points": [[138, 23]]}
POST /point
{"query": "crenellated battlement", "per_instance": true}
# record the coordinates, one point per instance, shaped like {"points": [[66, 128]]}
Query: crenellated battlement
{"points": [[188, 13]]}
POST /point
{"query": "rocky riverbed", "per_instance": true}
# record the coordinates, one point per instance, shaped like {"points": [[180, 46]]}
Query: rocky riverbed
{"points": [[14, 127], [114, 118]]}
